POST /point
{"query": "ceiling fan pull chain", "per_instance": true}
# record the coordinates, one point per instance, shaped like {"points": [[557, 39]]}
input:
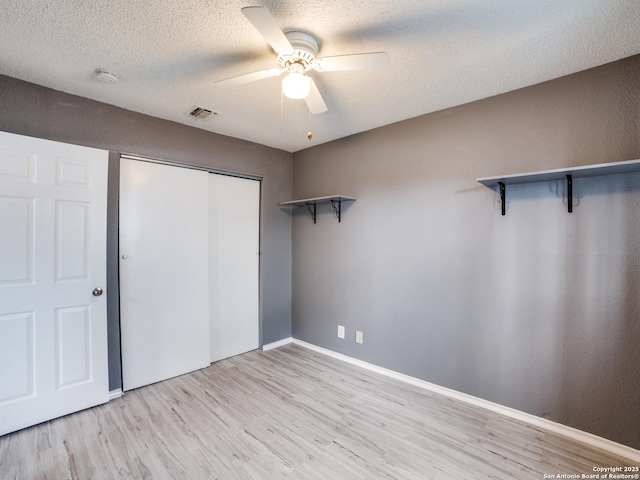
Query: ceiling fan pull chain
{"points": [[309, 134]]}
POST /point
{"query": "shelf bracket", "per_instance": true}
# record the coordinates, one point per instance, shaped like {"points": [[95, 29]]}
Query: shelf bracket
{"points": [[338, 209], [311, 208], [503, 197], [569, 193]]}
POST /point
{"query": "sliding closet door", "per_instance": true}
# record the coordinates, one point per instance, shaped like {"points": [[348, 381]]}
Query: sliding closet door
{"points": [[163, 271], [234, 236]]}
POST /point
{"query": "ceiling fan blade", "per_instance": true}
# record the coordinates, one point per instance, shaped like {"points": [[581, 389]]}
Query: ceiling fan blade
{"points": [[264, 22], [249, 77], [360, 61], [314, 100]]}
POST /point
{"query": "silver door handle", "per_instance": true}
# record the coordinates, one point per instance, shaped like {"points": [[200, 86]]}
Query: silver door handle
{"points": [[97, 292]]}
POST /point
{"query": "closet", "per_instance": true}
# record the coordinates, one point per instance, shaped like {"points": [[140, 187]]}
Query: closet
{"points": [[189, 266]]}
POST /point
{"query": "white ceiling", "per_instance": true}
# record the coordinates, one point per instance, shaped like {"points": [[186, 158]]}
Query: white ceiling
{"points": [[168, 53]]}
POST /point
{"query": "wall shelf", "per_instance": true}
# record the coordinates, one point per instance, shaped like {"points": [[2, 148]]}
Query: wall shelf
{"points": [[568, 174], [311, 203]]}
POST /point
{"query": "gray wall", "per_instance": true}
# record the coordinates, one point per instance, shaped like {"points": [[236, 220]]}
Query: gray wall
{"points": [[538, 310], [36, 111]]}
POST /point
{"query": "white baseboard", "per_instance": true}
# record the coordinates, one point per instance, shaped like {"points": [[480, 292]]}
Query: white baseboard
{"points": [[564, 430], [279, 343], [113, 394]]}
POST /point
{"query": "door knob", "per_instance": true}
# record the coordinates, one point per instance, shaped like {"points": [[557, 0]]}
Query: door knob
{"points": [[125, 256], [97, 292]]}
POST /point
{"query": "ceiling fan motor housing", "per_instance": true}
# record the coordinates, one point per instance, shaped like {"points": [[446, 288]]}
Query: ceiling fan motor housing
{"points": [[305, 50]]}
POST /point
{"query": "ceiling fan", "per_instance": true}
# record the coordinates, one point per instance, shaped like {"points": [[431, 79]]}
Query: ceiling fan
{"points": [[296, 56]]}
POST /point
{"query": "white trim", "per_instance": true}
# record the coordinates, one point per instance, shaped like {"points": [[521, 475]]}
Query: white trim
{"points": [[279, 343], [564, 430], [117, 393]]}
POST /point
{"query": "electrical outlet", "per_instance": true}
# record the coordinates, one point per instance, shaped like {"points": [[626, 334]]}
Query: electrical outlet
{"points": [[359, 338], [340, 331]]}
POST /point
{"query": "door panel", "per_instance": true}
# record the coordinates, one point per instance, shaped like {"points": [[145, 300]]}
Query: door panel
{"points": [[16, 263], [73, 342], [53, 331], [163, 271], [71, 227], [16, 356], [234, 238], [16, 165], [72, 173]]}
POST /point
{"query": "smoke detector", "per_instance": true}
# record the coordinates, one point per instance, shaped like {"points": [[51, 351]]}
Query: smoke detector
{"points": [[105, 76]]}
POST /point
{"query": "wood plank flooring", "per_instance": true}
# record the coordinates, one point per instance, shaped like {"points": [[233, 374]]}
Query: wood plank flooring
{"points": [[289, 413]]}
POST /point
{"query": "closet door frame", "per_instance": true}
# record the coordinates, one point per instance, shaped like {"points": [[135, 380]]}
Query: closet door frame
{"points": [[213, 170]]}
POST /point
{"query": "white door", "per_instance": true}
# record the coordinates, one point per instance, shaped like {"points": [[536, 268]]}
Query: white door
{"points": [[164, 283], [234, 239], [53, 330]]}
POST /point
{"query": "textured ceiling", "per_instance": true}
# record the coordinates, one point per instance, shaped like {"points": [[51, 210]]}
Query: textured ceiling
{"points": [[168, 53]]}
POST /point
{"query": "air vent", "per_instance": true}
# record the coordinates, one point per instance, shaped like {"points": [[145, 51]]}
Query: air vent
{"points": [[201, 113]]}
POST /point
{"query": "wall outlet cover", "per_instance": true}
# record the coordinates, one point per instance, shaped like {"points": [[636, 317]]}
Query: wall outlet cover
{"points": [[340, 331], [359, 337]]}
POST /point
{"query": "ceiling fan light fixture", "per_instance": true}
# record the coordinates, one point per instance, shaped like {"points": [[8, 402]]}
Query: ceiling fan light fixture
{"points": [[296, 85]]}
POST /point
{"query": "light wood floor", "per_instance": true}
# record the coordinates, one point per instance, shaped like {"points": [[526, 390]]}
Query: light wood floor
{"points": [[289, 413]]}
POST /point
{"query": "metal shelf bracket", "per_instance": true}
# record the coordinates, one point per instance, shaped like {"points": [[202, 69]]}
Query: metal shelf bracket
{"points": [[569, 193], [503, 197], [337, 209], [311, 208]]}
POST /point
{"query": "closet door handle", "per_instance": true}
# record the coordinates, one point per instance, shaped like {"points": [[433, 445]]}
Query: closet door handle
{"points": [[97, 292]]}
